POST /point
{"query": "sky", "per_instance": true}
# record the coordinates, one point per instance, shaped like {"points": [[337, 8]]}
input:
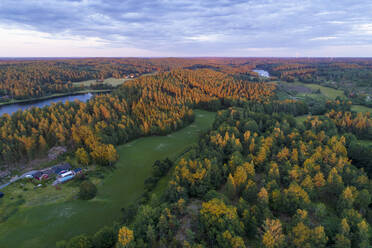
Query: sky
{"points": [[185, 28]]}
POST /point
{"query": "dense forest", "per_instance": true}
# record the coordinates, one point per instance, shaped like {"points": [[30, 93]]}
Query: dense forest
{"points": [[351, 75], [146, 106], [258, 178], [24, 79]]}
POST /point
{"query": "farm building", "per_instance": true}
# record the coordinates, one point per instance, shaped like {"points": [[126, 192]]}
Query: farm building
{"points": [[64, 179], [66, 174], [48, 172], [30, 174], [61, 167], [38, 175]]}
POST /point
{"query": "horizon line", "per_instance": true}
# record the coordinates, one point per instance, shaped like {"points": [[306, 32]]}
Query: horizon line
{"points": [[182, 57]]}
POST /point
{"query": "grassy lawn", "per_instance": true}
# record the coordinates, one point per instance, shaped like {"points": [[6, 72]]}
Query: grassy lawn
{"points": [[35, 196], [366, 142], [112, 81], [301, 119], [68, 217], [360, 108], [327, 91]]}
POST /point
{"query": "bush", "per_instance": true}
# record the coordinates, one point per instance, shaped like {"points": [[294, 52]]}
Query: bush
{"points": [[80, 241], [61, 244], [87, 190], [104, 238], [211, 194]]}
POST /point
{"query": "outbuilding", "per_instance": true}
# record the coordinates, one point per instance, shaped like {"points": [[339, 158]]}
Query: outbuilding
{"points": [[68, 173], [38, 175], [48, 172], [61, 167]]}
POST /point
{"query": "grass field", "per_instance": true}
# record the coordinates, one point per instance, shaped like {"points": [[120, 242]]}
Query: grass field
{"points": [[112, 81], [366, 142], [360, 108], [62, 220], [327, 91], [300, 119]]}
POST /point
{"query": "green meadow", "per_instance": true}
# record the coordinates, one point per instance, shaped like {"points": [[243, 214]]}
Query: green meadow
{"points": [[326, 91], [112, 81], [360, 108], [41, 225]]}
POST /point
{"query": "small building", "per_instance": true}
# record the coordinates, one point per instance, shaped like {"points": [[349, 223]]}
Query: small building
{"points": [[61, 167], [65, 179], [30, 174], [66, 174], [48, 172], [38, 175], [62, 172], [44, 177]]}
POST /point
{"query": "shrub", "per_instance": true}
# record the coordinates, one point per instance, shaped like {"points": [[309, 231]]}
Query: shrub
{"points": [[104, 238], [80, 241], [87, 190]]}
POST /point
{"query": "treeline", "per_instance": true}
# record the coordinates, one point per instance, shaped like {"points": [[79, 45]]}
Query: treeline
{"points": [[22, 79], [358, 123], [278, 184], [145, 106], [352, 76], [359, 154], [32, 79]]}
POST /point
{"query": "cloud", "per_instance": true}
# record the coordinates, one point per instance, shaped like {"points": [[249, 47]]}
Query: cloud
{"points": [[194, 28], [324, 38]]}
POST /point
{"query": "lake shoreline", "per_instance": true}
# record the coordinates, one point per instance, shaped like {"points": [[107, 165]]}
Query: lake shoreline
{"points": [[80, 92]]}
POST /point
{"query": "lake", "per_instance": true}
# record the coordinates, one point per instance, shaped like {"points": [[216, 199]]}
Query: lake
{"points": [[262, 73], [11, 108]]}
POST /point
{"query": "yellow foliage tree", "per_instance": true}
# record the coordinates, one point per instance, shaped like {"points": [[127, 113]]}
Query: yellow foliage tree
{"points": [[125, 237], [273, 236], [82, 156]]}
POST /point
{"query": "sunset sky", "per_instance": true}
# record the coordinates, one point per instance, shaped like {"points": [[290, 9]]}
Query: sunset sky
{"points": [[95, 28]]}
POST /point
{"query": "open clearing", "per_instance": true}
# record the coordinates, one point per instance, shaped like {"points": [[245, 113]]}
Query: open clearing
{"points": [[63, 220], [366, 142], [301, 118], [327, 91], [360, 108], [112, 81], [302, 90]]}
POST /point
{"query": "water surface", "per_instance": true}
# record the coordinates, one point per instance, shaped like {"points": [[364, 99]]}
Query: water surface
{"points": [[262, 73], [11, 108]]}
